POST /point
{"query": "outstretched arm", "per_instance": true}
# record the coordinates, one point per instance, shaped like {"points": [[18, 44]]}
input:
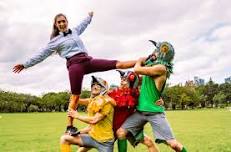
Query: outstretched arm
{"points": [[103, 112], [125, 64], [83, 25], [44, 53], [84, 101]]}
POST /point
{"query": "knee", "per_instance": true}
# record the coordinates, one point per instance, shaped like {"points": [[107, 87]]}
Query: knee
{"points": [[174, 144], [121, 133], [63, 139], [148, 141], [83, 149]]}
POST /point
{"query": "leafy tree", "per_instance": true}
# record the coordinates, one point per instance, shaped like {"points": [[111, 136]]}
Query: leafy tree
{"points": [[210, 90], [172, 96], [226, 89], [219, 98]]}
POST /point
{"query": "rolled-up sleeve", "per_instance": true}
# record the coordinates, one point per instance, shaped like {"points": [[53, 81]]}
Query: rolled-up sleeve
{"points": [[83, 25], [42, 55]]}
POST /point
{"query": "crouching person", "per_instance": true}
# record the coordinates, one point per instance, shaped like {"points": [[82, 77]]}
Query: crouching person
{"points": [[100, 117]]}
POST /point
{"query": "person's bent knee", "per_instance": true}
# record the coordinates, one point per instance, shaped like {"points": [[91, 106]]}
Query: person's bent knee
{"points": [[121, 133], [63, 139], [148, 141], [83, 149], [174, 144]]}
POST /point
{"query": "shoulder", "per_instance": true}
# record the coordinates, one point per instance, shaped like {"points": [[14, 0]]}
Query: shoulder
{"points": [[74, 31], [101, 100], [159, 68], [98, 103], [55, 39]]}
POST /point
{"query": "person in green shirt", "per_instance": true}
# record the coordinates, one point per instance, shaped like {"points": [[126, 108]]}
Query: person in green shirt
{"points": [[155, 69]]}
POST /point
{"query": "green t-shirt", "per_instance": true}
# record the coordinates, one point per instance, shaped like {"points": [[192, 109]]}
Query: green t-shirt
{"points": [[148, 96]]}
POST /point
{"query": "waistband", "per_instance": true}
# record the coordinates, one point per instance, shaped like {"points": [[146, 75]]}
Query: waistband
{"points": [[78, 54], [146, 113]]}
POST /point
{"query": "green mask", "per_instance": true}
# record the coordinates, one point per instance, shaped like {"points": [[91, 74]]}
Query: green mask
{"points": [[164, 55]]}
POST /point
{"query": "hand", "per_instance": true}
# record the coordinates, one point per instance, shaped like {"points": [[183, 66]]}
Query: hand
{"points": [[160, 102], [152, 57], [18, 68], [91, 13], [72, 113]]}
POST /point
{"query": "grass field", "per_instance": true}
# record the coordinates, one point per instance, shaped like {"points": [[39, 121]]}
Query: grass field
{"points": [[198, 130]]}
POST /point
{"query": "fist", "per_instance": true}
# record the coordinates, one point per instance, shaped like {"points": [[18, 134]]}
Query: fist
{"points": [[91, 13]]}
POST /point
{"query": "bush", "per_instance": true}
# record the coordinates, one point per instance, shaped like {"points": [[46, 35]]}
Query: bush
{"points": [[33, 108]]}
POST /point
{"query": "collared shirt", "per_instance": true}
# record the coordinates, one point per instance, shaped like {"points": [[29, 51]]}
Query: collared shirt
{"points": [[65, 46]]}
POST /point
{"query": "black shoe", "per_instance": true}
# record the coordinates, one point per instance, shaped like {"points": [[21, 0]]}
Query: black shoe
{"points": [[71, 130]]}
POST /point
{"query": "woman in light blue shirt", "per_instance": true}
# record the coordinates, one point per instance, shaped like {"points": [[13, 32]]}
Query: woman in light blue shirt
{"points": [[67, 43]]}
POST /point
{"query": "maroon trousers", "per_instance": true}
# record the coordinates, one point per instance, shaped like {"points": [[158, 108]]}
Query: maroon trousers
{"points": [[82, 64]]}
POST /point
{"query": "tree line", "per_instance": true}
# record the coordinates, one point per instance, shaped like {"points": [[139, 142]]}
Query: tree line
{"points": [[203, 96], [175, 97]]}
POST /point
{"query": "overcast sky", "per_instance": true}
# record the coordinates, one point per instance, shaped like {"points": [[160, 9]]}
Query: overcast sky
{"points": [[199, 30]]}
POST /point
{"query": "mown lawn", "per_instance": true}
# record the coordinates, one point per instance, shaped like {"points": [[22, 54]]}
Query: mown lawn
{"points": [[199, 130]]}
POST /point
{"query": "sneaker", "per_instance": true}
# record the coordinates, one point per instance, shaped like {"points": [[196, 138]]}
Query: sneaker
{"points": [[71, 130]]}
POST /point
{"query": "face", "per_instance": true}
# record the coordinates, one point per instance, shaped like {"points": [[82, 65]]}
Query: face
{"points": [[95, 89], [124, 83], [61, 23]]}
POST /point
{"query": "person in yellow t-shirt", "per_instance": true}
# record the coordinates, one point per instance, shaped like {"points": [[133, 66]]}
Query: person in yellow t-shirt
{"points": [[99, 133]]}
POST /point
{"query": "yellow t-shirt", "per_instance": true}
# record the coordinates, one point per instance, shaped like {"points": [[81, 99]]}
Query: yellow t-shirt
{"points": [[101, 131]]}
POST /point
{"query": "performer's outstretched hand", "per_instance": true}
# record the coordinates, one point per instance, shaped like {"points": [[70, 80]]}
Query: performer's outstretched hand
{"points": [[18, 68], [91, 13]]}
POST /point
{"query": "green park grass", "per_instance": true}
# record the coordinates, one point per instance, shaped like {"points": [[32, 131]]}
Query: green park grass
{"points": [[199, 130]]}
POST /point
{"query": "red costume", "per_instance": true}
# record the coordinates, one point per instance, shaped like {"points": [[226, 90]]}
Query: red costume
{"points": [[126, 99]]}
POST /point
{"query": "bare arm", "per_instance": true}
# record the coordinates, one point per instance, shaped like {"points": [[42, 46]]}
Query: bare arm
{"points": [[87, 119], [125, 64], [84, 101], [156, 70], [85, 130]]}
